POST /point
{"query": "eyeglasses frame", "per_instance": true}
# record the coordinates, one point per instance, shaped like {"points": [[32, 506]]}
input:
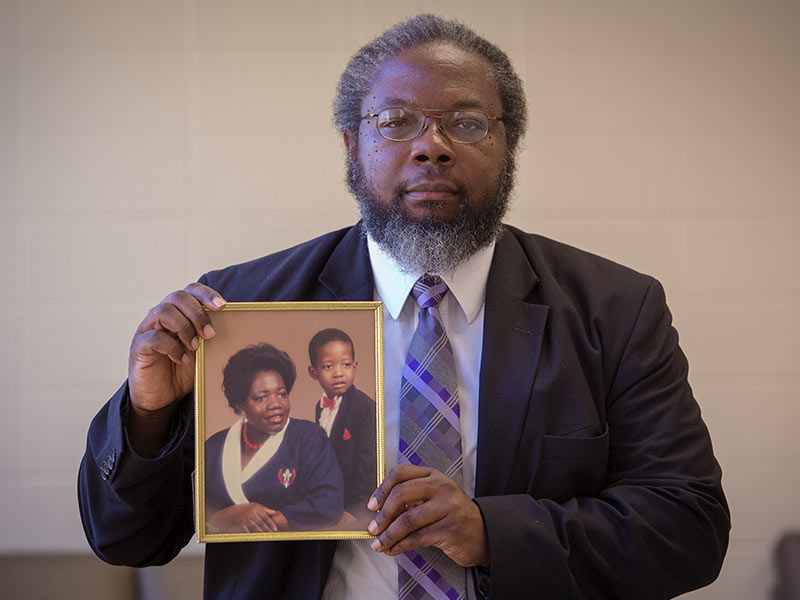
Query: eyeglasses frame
{"points": [[427, 116]]}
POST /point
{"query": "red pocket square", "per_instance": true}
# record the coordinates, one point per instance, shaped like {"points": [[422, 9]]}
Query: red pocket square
{"points": [[346, 435]]}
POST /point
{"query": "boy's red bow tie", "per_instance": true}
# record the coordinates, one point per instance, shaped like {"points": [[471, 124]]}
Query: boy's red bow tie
{"points": [[328, 402]]}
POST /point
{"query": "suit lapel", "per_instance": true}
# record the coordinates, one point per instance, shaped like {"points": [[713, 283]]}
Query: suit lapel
{"points": [[512, 338], [348, 273]]}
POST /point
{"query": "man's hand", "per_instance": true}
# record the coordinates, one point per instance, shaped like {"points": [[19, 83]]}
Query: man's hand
{"points": [[419, 506], [161, 362], [247, 518]]}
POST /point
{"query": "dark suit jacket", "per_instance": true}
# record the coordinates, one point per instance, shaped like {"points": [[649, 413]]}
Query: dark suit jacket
{"points": [[595, 473], [356, 451]]}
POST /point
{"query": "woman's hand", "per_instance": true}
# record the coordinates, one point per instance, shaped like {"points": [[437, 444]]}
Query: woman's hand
{"points": [[248, 518]]}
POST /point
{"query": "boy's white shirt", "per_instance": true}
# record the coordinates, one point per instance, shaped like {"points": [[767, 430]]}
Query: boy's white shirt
{"points": [[357, 570], [328, 415]]}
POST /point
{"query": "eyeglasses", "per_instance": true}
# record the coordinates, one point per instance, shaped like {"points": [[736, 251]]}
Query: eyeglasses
{"points": [[461, 126]]}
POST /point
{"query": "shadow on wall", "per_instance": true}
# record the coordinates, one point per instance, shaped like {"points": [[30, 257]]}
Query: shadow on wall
{"points": [[787, 562], [68, 577]]}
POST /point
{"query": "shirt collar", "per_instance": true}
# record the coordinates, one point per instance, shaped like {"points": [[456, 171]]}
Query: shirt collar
{"points": [[467, 283]]}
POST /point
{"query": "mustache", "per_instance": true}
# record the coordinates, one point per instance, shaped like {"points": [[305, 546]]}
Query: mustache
{"points": [[430, 179], [432, 173]]}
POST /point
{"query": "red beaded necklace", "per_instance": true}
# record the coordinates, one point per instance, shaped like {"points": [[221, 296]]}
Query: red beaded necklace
{"points": [[247, 442]]}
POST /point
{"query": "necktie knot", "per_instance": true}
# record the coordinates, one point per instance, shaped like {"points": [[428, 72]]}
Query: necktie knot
{"points": [[429, 290]]}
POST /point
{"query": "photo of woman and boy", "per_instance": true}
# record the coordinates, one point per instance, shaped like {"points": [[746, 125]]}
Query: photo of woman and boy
{"points": [[278, 469]]}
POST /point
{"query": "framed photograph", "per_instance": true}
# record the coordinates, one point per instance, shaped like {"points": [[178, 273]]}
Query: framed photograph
{"points": [[289, 421]]}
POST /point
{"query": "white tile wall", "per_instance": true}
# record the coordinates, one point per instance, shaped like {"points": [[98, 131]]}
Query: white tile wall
{"points": [[731, 338], [747, 573], [739, 256], [144, 143], [96, 172], [10, 450]]}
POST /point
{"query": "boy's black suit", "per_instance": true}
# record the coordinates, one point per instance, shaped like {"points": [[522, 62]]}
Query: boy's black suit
{"points": [[595, 474], [353, 440]]}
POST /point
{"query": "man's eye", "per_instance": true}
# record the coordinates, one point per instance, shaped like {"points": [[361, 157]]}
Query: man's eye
{"points": [[394, 123], [467, 124]]}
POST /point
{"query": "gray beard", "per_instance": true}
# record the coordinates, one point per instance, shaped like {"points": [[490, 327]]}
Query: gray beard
{"points": [[430, 245]]}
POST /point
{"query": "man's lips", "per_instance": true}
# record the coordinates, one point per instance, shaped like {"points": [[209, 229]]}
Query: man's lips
{"points": [[432, 191]]}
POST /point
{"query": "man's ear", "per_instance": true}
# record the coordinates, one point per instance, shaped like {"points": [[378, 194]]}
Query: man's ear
{"points": [[312, 371], [351, 145]]}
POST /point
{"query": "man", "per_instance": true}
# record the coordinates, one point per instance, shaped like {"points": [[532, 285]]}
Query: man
{"points": [[585, 469]]}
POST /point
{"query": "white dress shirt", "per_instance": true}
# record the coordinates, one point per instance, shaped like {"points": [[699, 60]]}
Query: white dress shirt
{"points": [[357, 570], [328, 415]]}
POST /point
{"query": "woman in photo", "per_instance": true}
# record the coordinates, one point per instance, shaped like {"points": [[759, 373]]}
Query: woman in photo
{"points": [[268, 472]]}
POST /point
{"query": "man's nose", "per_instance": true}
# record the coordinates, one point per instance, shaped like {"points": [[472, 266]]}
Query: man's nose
{"points": [[432, 144]]}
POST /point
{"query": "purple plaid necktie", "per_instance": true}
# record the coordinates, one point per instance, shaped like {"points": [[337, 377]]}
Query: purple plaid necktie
{"points": [[430, 436]]}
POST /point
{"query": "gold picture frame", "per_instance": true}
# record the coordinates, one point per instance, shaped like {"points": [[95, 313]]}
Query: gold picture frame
{"points": [[230, 498]]}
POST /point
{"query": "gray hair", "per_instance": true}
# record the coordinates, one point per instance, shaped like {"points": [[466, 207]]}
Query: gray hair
{"points": [[356, 80]]}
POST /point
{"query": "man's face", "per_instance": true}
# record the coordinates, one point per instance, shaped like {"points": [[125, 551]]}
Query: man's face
{"points": [[431, 191]]}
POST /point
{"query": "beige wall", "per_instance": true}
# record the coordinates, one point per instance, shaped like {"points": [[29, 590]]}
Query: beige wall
{"points": [[143, 143]]}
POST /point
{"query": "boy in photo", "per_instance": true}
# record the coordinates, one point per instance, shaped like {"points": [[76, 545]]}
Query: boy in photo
{"points": [[347, 415]]}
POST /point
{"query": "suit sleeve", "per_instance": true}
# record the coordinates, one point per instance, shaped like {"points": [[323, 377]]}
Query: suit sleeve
{"points": [[658, 523], [136, 511]]}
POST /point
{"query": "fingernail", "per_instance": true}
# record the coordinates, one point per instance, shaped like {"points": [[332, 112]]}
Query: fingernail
{"points": [[372, 504], [195, 343], [208, 331], [376, 545], [372, 527], [218, 302]]}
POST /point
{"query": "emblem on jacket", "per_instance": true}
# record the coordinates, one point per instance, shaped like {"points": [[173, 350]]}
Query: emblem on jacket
{"points": [[286, 476]]}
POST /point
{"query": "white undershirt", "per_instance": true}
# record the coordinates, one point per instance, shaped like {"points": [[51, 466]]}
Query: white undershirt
{"points": [[357, 570]]}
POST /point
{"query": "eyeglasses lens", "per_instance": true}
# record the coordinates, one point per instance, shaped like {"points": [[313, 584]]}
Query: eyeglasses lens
{"points": [[400, 124], [465, 126]]}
